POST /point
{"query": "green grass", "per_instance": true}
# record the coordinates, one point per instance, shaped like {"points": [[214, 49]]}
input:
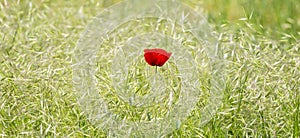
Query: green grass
{"points": [[260, 41]]}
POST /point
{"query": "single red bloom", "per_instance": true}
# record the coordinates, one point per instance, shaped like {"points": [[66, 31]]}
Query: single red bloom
{"points": [[156, 56]]}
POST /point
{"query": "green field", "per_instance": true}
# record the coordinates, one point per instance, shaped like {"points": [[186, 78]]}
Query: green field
{"points": [[260, 41]]}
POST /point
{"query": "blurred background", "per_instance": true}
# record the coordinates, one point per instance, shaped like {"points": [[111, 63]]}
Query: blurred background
{"points": [[272, 16], [275, 16]]}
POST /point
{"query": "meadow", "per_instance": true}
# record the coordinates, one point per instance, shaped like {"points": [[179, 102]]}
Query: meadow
{"points": [[259, 40]]}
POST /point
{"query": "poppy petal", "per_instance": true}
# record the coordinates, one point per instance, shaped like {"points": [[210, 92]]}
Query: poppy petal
{"points": [[156, 57]]}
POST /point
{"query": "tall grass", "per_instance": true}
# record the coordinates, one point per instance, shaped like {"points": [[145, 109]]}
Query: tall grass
{"points": [[259, 39]]}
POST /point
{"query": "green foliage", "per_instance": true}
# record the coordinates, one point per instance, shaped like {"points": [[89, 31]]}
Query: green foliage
{"points": [[260, 41], [276, 16]]}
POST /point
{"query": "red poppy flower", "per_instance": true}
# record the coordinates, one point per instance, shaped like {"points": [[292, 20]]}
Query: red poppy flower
{"points": [[156, 56]]}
